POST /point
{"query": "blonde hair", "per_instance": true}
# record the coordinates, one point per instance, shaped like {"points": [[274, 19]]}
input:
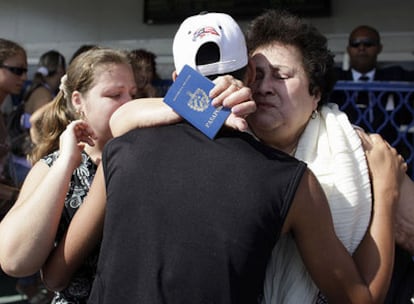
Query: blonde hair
{"points": [[80, 77]]}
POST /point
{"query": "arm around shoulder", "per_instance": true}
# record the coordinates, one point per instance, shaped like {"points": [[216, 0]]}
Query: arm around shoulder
{"points": [[141, 113], [332, 268], [365, 277]]}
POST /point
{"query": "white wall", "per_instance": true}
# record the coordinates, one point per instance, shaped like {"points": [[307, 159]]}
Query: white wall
{"points": [[40, 25]]}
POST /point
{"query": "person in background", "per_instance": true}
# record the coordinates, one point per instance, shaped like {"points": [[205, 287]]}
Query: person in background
{"points": [[64, 168], [43, 88], [46, 80], [371, 110], [364, 47], [13, 74], [145, 71], [212, 281], [83, 48]]}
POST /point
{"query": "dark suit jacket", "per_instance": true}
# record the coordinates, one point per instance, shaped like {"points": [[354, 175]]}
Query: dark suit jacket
{"points": [[369, 111], [392, 73]]}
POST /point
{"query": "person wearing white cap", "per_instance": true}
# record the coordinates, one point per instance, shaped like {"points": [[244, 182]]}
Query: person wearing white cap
{"points": [[214, 45], [194, 220], [215, 35]]}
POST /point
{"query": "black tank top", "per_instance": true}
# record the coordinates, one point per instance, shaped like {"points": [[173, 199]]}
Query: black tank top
{"points": [[189, 219]]}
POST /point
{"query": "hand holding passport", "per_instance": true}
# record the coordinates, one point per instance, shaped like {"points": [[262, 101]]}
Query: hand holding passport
{"points": [[188, 96]]}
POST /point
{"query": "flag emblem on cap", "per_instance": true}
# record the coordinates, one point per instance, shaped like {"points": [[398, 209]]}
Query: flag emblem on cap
{"points": [[200, 33]]}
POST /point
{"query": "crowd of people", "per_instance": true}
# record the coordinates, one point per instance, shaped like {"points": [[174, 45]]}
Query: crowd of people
{"points": [[123, 202]]}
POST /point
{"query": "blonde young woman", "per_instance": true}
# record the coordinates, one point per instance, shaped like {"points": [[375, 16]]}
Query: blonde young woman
{"points": [[75, 128]]}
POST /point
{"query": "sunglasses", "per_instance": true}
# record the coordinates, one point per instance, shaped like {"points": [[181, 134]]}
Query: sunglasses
{"points": [[15, 70], [365, 42]]}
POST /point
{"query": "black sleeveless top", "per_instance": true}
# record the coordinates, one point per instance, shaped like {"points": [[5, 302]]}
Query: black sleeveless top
{"points": [[189, 219], [77, 291]]}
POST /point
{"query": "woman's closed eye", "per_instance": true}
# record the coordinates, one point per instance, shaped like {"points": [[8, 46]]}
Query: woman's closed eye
{"points": [[281, 77], [276, 74]]}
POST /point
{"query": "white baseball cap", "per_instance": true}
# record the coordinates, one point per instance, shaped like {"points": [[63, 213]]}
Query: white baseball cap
{"points": [[218, 28]]}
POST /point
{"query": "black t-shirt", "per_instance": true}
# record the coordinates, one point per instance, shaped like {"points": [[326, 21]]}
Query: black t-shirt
{"points": [[189, 219]]}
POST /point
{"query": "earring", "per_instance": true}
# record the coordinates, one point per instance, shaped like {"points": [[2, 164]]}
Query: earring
{"points": [[314, 114], [80, 113]]}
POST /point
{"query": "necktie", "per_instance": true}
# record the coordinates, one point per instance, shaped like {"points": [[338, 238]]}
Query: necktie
{"points": [[363, 99]]}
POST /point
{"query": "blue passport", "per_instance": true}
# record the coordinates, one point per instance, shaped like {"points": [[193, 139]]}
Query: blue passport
{"points": [[188, 96]]}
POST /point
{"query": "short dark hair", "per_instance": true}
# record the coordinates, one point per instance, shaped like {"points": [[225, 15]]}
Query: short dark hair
{"points": [[81, 49], [283, 27], [366, 28]]}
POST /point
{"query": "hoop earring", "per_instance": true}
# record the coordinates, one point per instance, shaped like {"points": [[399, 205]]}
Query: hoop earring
{"points": [[314, 114]]}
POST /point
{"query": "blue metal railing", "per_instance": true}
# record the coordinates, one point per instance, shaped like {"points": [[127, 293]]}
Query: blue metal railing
{"points": [[381, 107], [389, 111]]}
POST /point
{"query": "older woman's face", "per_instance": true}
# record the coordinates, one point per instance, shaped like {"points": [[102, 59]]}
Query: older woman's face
{"points": [[281, 92]]}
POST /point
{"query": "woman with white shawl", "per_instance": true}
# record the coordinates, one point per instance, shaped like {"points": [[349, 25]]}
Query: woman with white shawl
{"points": [[293, 80]]}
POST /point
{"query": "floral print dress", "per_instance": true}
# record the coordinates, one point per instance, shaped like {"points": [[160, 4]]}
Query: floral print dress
{"points": [[77, 292]]}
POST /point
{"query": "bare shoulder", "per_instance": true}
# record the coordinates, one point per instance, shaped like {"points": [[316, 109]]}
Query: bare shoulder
{"points": [[309, 205]]}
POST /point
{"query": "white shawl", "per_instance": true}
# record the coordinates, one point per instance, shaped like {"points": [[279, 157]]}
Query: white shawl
{"points": [[333, 151]]}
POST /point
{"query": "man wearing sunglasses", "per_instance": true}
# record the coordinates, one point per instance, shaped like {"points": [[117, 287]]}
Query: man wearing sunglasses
{"points": [[364, 46], [363, 49], [370, 109]]}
